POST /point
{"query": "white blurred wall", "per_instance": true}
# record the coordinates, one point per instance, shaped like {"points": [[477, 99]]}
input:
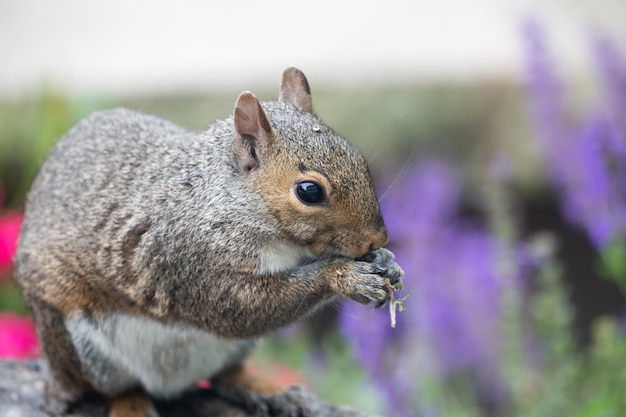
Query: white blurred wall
{"points": [[140, 46]]}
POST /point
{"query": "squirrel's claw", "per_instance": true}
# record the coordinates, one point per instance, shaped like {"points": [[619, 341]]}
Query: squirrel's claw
{"points": [[372, 278]]}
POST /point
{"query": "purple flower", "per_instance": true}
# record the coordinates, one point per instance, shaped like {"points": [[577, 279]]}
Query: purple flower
{"points": [[547, 96], [612, 69], [585, 160], [602, 198], [426, 197], [451, 322]]}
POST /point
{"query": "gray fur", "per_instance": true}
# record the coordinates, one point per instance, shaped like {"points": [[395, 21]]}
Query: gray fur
{"points": [[133, 220]]}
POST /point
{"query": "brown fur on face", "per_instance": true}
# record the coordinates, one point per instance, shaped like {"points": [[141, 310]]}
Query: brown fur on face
{"points": [[349, 223]]}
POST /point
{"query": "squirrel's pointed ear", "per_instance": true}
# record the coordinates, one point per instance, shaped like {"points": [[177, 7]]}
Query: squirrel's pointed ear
{"points": [[294, 89], [253, 131]]}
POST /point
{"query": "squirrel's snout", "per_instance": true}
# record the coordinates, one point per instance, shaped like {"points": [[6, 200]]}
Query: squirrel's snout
{"points": [[377, 239], [356, 244]]}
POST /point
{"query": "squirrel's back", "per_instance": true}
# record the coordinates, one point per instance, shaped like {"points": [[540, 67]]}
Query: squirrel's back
{"points": [[120, 181]]}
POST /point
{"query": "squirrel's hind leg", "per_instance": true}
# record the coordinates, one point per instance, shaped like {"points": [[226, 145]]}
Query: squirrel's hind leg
{"points": [[132, 404], [65, 385], [258, 396]]}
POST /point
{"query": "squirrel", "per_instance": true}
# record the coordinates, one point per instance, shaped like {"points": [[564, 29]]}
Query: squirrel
{"points": [[153, 257]]}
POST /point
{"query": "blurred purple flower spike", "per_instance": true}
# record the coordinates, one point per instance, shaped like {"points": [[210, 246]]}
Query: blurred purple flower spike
{"points": [[611, 65], [586, 162], [450, 322], [602, 197]]}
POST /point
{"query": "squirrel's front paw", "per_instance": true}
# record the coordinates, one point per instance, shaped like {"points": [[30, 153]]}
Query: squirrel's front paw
{"points": [[371, 278]]}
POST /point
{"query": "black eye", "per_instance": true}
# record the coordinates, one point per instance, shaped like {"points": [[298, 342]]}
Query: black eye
{"points": [[310, 192]]}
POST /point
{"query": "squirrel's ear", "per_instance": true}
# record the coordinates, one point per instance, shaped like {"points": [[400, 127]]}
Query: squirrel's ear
{"points": [[294, 89], [253, 131]]}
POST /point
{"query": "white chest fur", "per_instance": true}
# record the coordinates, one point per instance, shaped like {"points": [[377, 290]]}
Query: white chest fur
{"points": [[279, 257], [122, 351]]}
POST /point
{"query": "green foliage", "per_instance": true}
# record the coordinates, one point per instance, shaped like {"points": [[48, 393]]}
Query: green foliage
{"points": [[548, 380], [327, 364], [11, 299], [28, 132], [604, 377], [613, 263], [28, 129]]}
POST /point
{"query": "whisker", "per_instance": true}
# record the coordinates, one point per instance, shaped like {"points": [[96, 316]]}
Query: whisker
{"points": [[405, 168], [326, 255], [371, 151], [371, 157]]}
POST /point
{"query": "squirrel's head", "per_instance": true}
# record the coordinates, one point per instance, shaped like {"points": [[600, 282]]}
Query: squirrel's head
{"points": [[315, 183]]}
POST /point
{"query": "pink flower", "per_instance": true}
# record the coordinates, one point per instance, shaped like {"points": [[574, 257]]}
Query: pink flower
{"points": [[18, 339], [272, 373], [10, 223], [204, 384], [276, 373]]}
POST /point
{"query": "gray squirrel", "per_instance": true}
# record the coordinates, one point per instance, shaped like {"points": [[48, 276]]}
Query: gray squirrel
{"points": [[153, 257]]}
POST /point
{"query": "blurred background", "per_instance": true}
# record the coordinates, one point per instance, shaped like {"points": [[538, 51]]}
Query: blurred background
{"points": [[495, 132]]}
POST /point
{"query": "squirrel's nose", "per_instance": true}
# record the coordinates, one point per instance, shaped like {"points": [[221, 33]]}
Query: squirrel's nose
{"points": [[379, 239]]}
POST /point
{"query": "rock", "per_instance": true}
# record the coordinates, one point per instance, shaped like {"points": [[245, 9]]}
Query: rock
{"points": [[22, 385]]}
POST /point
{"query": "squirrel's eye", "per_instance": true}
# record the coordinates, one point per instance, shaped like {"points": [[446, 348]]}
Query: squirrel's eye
{"points": [[310, 192]]}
